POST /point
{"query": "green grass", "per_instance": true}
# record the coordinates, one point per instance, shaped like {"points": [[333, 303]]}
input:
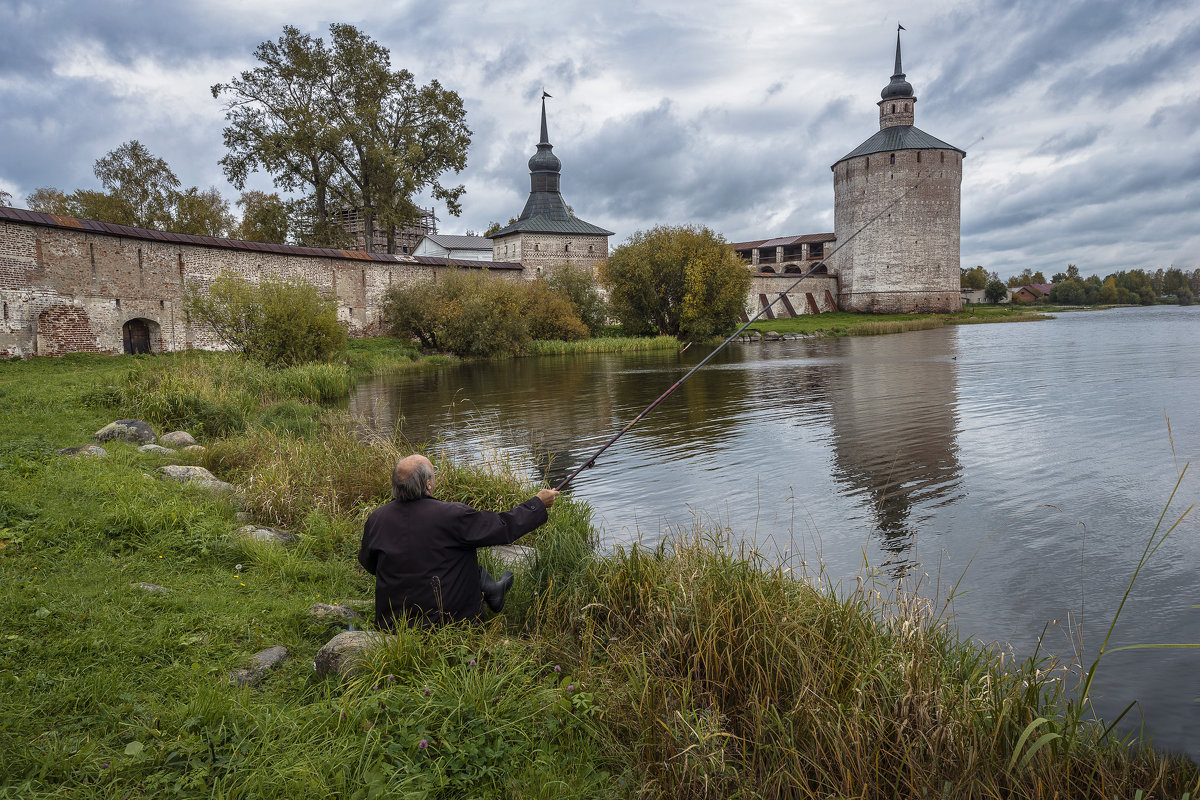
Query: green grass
{"points": [[689, 670], [603, 344], [844, 323]]}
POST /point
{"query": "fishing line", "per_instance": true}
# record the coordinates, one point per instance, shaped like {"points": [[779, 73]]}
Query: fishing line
{"points": [[735, 334]]}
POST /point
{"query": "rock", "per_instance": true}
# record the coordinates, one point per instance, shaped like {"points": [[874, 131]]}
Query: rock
{"points": [[194, 448], [261, 663], [129, 430], [94, 450], [773, 336], [261, 534], [325, 611], [196, 476], [154, 448], [342, 651], [177, 439], [756, 337], [150, 587], [513, 555]]}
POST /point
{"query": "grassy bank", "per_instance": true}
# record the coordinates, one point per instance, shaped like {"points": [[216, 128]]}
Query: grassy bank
{"points": [[843, 323], [688, 671]]}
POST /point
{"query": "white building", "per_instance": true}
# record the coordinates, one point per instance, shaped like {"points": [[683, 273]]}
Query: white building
{"points": [[462, 248]]}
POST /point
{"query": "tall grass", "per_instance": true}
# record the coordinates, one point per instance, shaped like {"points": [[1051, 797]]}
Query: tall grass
{"points": [[604, 344], [885, 327]]}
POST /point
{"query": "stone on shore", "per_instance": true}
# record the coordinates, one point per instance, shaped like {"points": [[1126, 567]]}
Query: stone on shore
{"points": [[341, 653], [514, 555], [324, 611], [93, 450], [129, 430], [270, 535], [155, 448], [261, 663], [773, 336], [194, 448], [177, 439], [195, 476]]}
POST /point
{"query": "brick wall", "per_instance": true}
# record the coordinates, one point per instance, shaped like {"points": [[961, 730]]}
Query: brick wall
{"points": [[65, 289], [908, 260], [549, 250]]}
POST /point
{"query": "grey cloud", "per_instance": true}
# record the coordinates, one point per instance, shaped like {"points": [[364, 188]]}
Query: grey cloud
{"points": [[1141, 69], [1070, 141]]}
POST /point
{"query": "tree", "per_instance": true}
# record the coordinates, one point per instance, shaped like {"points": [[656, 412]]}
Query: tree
{"points": [[5, 198], [1183, 296], [1026, 277], [337, 119], [49, 200], [995, 291], [139, 182], [202, 213], [578, 286], [974, 278], [684, 281], [276, 321], [265, 217], [1068, 292]]}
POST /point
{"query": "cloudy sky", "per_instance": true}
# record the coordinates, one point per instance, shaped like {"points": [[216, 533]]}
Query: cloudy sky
{"points": [[1080, 119]]}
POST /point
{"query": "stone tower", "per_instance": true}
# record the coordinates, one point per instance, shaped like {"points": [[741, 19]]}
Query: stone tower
{"points": [[907, 259], [547, 234]]}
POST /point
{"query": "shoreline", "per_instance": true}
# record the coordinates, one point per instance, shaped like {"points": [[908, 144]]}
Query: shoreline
{"points": [[680, 667]]}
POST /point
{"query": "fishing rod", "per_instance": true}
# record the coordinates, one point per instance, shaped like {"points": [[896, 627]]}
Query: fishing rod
{"points": [[731, 337]]}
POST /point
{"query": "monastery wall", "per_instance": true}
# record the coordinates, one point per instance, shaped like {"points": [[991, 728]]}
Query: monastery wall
{"points": [[68, 289], [814, 295]]}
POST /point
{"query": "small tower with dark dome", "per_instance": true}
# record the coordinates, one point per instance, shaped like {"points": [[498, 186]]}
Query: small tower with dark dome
{"points": [[907, 260], [546, 234]]}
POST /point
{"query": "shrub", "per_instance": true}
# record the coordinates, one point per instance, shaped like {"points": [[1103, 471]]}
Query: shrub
{"points": [[413, 311], [277, 321], [579, 287], [1183, 296], [682, 281], [551, 315]]}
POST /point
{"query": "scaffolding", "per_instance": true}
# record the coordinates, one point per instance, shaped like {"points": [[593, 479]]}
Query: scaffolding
{"points": [[407, 238]]}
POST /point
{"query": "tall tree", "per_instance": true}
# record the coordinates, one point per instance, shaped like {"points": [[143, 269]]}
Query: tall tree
{"points": [[140, 182], [264, 217], [5, 198], [202, 213], [338, 119]]}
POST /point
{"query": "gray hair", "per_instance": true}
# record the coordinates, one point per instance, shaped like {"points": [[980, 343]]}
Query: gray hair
{"points": [[412, 486]]}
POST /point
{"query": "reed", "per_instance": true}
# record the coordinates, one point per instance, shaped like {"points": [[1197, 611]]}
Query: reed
{"points": [[901, 326], [604, 344]]}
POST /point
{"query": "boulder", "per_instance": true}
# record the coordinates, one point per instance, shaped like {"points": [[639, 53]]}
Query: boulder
{"points": [[177, 439], [514, 555], [150, 587], [324, 611], [261, 534], [196, 476], [155, 448], [340, 654], [129, 430], [756, 337], [194, 448], [261, 663], [773, 336], [94, 450]]}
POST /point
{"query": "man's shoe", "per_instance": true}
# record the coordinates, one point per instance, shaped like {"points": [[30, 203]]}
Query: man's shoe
{"points": [[494, 591]]}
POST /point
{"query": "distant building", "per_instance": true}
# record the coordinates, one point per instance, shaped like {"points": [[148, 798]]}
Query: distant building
{"points": [[464, 248], [547, 234], [1030, 293]]}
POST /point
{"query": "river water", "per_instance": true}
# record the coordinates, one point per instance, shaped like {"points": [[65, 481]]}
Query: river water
{"points": [[1027, 463]]}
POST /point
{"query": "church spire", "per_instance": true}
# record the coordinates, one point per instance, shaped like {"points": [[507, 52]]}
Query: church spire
{"points": [[896, 107], [546, 136]]}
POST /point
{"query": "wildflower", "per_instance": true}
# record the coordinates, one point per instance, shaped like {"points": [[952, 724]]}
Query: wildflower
{"points": [[237, 567], [241, 584], [423, 744], [570, 687], [104, 765], [557, 668], [427, 691], [471, 663], [391, 678]]}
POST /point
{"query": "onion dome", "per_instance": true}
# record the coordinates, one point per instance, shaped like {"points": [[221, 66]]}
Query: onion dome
{"points": [[898, 87]]}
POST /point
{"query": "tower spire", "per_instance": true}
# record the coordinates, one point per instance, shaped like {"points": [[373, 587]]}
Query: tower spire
{"points": [[545, 135], [899, 69]]}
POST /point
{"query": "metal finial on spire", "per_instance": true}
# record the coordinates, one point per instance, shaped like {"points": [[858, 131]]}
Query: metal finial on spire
{"points": [[899, 68]]}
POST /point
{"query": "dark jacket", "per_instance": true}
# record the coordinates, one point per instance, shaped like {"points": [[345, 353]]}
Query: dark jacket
{"points": [[422, 554]]}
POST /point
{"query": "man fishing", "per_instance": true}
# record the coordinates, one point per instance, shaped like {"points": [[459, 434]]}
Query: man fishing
{"points": [[422, 551]]}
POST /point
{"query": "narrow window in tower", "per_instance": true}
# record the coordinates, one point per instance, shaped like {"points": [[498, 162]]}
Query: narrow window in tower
{"points": [[566, 248], [943, 158], [893, 158], [868, 162], [893, 108], [918, 156]]}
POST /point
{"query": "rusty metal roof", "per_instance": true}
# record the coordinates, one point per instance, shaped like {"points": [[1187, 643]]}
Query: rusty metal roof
{"points": [[109, 229], [785, 241]]}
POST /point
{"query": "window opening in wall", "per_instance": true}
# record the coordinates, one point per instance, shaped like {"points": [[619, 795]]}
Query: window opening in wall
{"points": [[943, 158], [591, 248], [118, 302], [92, 256], [893, 108], [566, 248], [918, 156], [535, 248], [141, 272], [868, 162], [162, 303], [893, 158], [6, 310]]}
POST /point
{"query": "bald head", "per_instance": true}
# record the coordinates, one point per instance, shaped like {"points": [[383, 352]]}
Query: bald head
{"points": [[413, 478]]}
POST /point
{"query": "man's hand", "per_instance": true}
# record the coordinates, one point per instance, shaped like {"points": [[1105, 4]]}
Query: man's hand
{"points": [[547, 496]]}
